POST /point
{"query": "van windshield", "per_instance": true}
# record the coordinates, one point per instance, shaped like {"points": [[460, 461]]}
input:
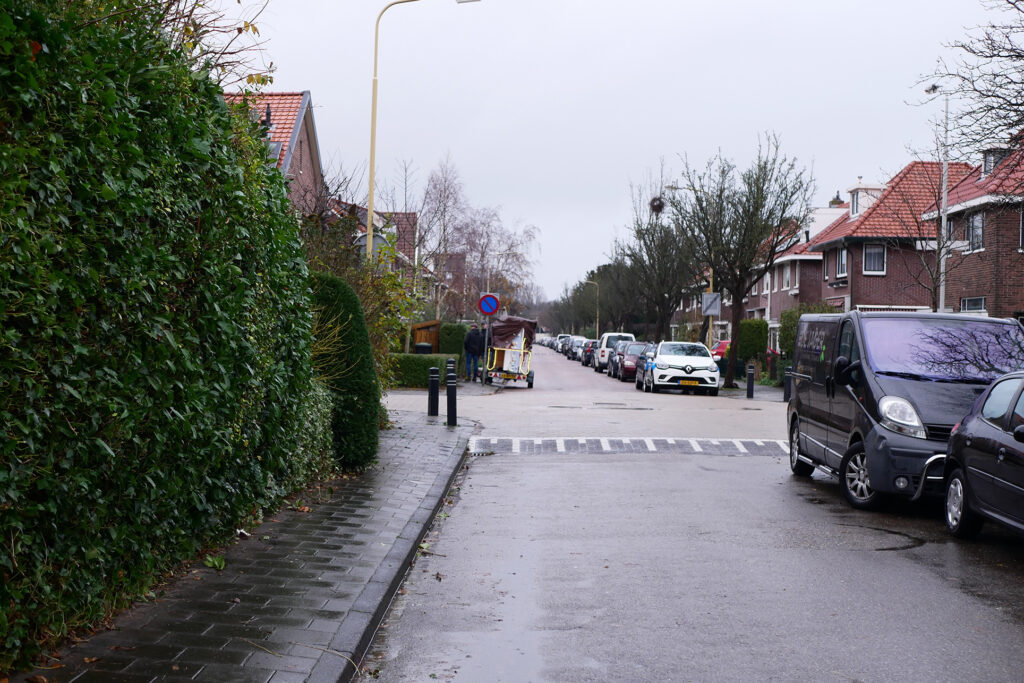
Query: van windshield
{"points": [[943, 349]]}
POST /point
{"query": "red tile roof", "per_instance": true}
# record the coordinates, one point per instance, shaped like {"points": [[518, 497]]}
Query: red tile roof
{"points": [[286, 112], [1006, 180], [896, 214]]}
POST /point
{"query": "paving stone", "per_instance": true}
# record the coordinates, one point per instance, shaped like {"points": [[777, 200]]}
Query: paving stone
{"points": [[301, 584]]}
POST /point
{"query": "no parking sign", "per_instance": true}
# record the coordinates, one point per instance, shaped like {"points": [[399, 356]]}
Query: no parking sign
{"points": [[488, 304]]}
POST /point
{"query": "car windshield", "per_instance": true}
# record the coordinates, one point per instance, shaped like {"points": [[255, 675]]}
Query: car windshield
{"points": [[635, 349], [684, 349], [944, 349]]}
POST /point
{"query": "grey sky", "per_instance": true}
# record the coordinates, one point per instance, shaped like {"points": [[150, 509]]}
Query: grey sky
{"points": [[550, 109]]}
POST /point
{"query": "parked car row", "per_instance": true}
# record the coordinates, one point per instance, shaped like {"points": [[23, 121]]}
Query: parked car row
{"points": [[913, 404], [650, 366]]}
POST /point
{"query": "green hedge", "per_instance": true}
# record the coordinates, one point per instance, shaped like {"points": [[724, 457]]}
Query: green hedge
{"points": [[154, 324], [753, 339], [413, 370], [348, 371]]}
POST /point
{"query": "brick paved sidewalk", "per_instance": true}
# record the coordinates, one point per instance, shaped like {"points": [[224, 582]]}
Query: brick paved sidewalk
{"points": [[303, 595]]}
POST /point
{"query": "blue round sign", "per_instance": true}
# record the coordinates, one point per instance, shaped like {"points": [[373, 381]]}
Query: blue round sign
{"points": [[488, 304]]}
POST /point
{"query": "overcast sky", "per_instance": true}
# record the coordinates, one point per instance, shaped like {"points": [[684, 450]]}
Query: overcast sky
{"points": [[551, 109]]}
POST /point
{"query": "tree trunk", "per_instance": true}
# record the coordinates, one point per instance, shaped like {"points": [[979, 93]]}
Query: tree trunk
{"points": [[737, 316]]}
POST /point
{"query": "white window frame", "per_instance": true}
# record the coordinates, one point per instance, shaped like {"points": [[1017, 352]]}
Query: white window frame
{"points": [[841, 260], [775, 280], [767, 283], [824, 266], [854, 203], [796, 275], [787, 282], [1020, 235], [964, 301], [973, 229], [864, 260]]}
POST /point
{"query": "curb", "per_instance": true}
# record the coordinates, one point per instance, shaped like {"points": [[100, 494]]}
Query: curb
{"points": [[361, 623]]}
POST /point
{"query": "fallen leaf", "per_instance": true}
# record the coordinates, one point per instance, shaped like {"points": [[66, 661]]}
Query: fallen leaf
{"points": [[38, 679], [90, 660]]}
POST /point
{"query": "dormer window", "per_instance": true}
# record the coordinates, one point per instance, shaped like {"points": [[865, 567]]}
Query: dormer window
{"points": [[854, 203], [991, 158]]}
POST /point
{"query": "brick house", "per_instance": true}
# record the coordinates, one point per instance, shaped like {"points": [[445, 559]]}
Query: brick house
{"points": [[291, 140], [795, 276], [985, 272], [876, 255]]}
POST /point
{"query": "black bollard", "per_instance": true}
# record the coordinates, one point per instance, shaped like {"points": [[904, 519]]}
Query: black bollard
{"points": [[451, 398], [750, 381], [435, 381], [450, 366], [787, 384]]}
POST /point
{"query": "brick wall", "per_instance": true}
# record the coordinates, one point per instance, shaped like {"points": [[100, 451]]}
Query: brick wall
{"points": [[996, 272]]}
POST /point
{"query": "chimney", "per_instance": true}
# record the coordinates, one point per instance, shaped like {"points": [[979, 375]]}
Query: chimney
{"points": [[807, 235], [835, 202]]}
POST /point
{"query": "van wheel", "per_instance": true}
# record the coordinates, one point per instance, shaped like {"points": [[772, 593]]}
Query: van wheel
{"points": [[961, 520], [853, 479], [798, 466]]}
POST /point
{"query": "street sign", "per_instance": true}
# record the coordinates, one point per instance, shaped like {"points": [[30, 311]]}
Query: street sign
{"points": [[711, 304], [488, 304]]}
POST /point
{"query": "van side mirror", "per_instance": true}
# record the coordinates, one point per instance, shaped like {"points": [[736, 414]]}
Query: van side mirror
{"points": [[844, 369], [1018, 434]]}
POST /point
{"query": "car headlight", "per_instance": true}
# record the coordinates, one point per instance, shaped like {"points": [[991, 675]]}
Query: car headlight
{"points": [[898, 415], [629, 363], [661, 365]]}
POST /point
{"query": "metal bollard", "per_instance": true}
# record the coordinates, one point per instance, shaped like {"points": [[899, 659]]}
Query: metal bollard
{"points": [[787, 384], [435, 381], [450, 366], [451, 397], [750, 381]]}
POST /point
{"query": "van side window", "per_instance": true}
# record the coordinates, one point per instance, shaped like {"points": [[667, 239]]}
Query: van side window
{"points": [[848, 346], [999, 400]]}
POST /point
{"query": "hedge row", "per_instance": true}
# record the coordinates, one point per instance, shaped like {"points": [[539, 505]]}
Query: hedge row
{"points": [[155, 383], [413, 370], [345, 362]]}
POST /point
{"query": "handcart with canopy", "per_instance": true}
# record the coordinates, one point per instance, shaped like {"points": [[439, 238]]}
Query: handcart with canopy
{"points": [[509, 350]]}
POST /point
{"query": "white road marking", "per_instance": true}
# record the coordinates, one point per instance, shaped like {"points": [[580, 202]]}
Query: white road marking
{"points": [[560, 445], [740, 446], [695, 446], [784, 445], [605, 446], [671, 442], [515, 445], [650, 444]]}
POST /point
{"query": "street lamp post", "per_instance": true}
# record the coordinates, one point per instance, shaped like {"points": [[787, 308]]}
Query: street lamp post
{"points": [[373, 124], [597, 308], [943, 235]]}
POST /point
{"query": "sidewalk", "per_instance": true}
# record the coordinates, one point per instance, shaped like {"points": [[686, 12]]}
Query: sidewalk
{"points": [[302, 597]]}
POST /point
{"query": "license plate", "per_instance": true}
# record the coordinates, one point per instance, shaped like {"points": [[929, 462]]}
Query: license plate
{"points": [[689, 382]]}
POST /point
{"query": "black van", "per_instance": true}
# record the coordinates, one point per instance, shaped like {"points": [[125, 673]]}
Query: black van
{"points": [[875, 395]]}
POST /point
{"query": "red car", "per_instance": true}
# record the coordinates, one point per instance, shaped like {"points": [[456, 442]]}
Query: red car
{"points": [[632, 356]]}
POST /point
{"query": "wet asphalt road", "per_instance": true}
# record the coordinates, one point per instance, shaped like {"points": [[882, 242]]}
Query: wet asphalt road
{"points": [[675, 564]]}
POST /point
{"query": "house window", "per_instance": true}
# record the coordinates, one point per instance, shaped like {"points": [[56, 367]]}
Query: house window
{"points": [[785, 277], [973, 304], [874, 259], [777, 278], [840, 263], [1020, 237], [854, 203], [767, 283], [796, 275], [824, 266], [976, 231]]}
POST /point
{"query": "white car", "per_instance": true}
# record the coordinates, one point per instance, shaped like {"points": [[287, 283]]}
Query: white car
{"points": [[606, 345], [686, 365]]}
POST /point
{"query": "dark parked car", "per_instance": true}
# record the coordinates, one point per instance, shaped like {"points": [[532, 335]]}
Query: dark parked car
{"points": [[615, 357], [644, 364], [985, 461], [876, 395], [588, 352], [631, 358]]}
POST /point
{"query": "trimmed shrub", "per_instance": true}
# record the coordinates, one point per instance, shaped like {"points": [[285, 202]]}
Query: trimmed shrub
{"points": [[413, 370], [753, 339], [346, 367], [451, 337], [154, 322]]}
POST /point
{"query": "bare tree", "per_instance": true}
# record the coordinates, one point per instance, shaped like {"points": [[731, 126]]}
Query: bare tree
{"points": [[659, 256], [738, 223], [442, 209], [986, 81]]}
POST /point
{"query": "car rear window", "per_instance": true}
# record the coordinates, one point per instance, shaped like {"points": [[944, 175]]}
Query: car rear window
{"points": [[944, 349], [635, 349], [616, 338]]}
